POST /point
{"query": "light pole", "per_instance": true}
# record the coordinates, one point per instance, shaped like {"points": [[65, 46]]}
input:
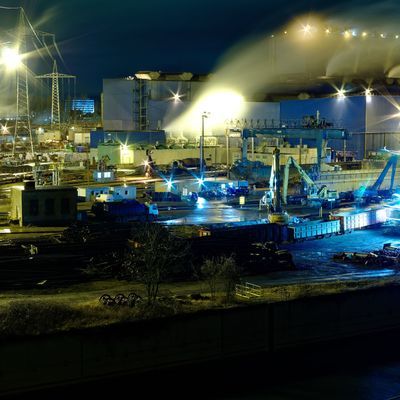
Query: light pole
{"points": [[203, 116]]}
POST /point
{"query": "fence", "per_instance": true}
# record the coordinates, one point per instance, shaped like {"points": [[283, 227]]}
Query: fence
{"points": [[248, 290]]}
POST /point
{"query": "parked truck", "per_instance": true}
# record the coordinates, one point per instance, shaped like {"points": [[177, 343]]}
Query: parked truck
{"points": [[125, 211]]}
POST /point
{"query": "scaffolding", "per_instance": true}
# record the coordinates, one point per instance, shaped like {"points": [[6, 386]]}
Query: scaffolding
{"points": [[140, 104]]}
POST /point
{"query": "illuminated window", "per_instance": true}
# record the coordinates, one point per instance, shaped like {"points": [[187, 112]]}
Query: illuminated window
{"points": [[107, 174]]}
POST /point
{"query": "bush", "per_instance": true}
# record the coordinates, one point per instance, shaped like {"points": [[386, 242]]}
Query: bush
{"points": [[35, 317]]}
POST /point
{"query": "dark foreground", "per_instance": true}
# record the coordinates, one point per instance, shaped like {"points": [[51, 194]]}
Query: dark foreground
{"points": [[358, 368]]}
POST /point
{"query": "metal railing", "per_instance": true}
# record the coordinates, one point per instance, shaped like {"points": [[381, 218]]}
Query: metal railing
{"points": [[305, 122], [248, 290]]}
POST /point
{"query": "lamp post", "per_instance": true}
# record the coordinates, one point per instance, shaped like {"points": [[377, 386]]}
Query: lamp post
{"points": [[203, 116]]}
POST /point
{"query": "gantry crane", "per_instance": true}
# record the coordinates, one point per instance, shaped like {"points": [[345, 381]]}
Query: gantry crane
{"points": [[372, 193]]}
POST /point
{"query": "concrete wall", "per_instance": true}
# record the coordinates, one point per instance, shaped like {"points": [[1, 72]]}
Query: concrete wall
{"points": [[215, 334], [118, 104]]}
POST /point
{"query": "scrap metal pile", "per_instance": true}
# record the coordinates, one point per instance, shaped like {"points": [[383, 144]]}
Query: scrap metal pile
{"points": [[388, 256]]}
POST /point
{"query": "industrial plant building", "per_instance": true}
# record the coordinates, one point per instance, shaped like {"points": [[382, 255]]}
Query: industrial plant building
{"points": [[139, 110]]}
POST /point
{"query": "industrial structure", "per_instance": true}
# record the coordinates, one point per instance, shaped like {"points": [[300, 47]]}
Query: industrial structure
{"points": [[44, 206]]}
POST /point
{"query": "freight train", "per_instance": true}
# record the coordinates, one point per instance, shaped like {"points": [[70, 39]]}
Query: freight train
{"points": [[339, 223]]}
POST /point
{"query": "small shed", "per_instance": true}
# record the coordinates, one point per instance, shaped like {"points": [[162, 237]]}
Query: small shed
{"points": [[44, 206]]}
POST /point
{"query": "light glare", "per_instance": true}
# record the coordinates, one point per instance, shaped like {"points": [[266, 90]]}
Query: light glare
{"points": [[341, 94], [10, 58]]}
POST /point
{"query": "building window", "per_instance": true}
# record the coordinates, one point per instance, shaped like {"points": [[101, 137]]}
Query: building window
{"points": [[49, 206], [126, 192], [107, 174], [65, 209], [34, 207]]}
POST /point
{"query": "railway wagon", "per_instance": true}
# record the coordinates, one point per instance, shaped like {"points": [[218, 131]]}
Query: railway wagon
{"points": [[338, 224], [313, 229], [360, 219]]}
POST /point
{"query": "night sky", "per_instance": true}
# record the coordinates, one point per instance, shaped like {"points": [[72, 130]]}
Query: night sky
{"points": [[106, 39]]}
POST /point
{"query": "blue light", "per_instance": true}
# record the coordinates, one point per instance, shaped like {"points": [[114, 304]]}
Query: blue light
{"points": [[201, 202]]}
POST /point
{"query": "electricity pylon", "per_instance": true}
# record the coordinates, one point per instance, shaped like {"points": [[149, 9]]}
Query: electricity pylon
{"points": [[22, 119], [55, 120]]}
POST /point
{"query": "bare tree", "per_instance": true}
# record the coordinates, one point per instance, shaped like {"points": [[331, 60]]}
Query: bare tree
{"points": [[154, 256], [210, 270], [230, 273], [221, 268]]}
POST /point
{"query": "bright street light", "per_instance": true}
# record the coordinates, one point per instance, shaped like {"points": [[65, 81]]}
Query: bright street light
{"points": [[10, 58]]}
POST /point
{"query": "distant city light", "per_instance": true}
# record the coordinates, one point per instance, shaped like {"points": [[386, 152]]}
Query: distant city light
{"points": [[327, 30], [397, 36], [347, 34], [364, 34]]}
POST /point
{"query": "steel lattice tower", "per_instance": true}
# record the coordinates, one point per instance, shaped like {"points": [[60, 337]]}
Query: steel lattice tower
{"points": [[55, 94], [22, 119]]}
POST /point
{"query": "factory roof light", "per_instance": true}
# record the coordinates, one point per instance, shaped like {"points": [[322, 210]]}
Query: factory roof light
{"points": [[341, 94], [169, 76]]}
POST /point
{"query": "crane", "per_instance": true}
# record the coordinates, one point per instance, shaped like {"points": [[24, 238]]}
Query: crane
{"points": [[371, 194], [320, 196]]}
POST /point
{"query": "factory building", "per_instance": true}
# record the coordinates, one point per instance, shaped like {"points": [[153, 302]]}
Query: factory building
{"points": [[85, 106], [148, 102], [141, 102]]}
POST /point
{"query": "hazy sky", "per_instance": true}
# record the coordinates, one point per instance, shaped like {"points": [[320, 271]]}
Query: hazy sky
{"points": [[104, 39]]}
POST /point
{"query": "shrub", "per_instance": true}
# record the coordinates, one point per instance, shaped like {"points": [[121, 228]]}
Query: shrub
{"points": [[35, 317]]}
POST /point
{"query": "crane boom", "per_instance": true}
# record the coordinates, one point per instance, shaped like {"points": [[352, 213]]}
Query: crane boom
{"points": [[303, 174], [392, 162], [319, 195]]}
